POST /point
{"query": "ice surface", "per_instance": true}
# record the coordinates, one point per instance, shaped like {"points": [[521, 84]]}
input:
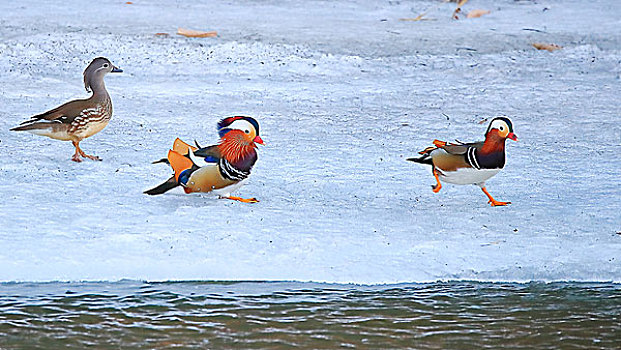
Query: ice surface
{"points": [[344, 92]]}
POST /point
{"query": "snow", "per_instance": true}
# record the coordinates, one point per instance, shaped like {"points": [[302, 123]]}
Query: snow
{"points": [[344, 92]]}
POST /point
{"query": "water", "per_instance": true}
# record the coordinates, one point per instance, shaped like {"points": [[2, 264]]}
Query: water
{"points": [[307, 315]]}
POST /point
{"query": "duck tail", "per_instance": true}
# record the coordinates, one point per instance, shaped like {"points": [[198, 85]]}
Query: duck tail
{"points": [[164, 187], [163, 160], [31, 126], [425, 159]]}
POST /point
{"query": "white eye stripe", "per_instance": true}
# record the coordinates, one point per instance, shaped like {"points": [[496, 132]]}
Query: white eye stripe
{"points": [[499, 124], [242, 125]]}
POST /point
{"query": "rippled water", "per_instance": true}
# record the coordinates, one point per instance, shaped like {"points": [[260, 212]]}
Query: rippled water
{"points": [[307, 315]]}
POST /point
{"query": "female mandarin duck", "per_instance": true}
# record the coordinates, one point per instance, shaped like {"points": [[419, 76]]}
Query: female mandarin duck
{"points": [[76, 120], [470, 163], [222, 168]]}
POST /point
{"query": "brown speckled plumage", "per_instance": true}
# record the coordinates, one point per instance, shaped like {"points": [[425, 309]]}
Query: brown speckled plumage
{"points": [[78, 119]]}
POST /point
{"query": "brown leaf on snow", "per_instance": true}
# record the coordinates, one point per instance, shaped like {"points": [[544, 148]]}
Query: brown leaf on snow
{"points": [[461, 3], [196, 33], [477, 13], [544, 46], [417, 18], [162, 34], [422, 17]]}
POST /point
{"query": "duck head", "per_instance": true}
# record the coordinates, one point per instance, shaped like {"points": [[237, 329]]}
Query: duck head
{"points": [[500, 128], [239, 137], [95, 72]]}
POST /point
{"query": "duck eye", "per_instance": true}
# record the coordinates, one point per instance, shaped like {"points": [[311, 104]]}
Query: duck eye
{"points": [[502, 128], [105, 65], [247, 131]]}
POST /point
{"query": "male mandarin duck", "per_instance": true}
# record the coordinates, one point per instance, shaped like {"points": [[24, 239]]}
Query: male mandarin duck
{"points": [[78, 119], [470, 163], [221, 168]]}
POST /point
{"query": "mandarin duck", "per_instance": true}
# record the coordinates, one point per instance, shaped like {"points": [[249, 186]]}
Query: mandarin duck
{"points": [[470, 163], [78, 119], [221, 168]]}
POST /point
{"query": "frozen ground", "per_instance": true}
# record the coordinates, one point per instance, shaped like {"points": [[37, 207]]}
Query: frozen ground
{"points": [[344, 92]]}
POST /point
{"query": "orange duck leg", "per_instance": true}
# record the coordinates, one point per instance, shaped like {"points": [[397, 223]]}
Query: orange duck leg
{"points": [[240, 199], [492, 201], [438, 187]]}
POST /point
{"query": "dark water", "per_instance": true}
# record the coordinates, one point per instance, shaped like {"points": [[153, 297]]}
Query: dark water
{"points": [[276, 315]]}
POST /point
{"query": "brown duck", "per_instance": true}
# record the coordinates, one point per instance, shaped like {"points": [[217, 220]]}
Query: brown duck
{"points": [[78, 119]]}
